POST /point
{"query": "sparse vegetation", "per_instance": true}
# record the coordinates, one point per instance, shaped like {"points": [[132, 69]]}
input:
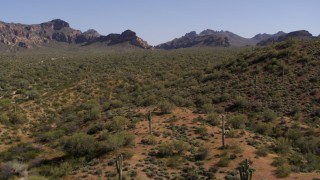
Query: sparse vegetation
{"points": [[70, 116]]}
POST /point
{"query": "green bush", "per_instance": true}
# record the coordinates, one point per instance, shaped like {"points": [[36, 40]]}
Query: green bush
{"points": [[262, 151], [269, 115], [224, 162], [175, 161], [238, 121], [80, 144], [263, 128], [17, 118], [208, 108], [282, 145], [166, 107], [241, 103], [283, 171], [173, 148], [213, 119], [115, 141], [4, 119], [118, 123], [202, 153], [61, 170], [279, 161]]}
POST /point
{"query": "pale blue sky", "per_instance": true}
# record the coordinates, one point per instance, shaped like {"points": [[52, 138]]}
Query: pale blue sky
{"points": [[159, 21]]}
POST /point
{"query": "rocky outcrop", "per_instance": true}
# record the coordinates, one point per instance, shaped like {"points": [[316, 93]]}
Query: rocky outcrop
{"points": [[28, 36], [88, 36], [127, 36], [132, 38], [192, 39], [264, 36]]}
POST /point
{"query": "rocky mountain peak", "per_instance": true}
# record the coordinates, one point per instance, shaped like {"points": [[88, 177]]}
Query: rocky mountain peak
{"points": [[58, 24], [191, 34]]}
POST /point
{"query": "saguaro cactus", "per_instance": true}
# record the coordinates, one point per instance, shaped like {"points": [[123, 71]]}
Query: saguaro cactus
{"points": [[223, 131], [245, 171], [150, 122], [119, 163]]}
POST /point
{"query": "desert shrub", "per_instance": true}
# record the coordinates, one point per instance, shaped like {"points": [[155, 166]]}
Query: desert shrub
{"points": [[279, 161], [213, 119], [262, 151], [241, 103], [93, 129], [180, 147], [151, 140], [93, 114], [79, 144], [33, 94], [283, 171], [238, 121], [282, 146], [202, 130], [208, 108], [173, 148], [202, 153], [166, 107], [190, 173], [17, 118], [51, 135], [269, 115], [106, 106], [5, 103], [4, 119], [22, 152], [224, 161], [61, 170], [36, 177], [118, 123], [11, 168], [116, 104], [114, 141], [175, 161], [263, 128]]}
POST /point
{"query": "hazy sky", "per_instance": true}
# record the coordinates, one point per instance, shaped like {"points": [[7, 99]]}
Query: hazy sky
{"points": [[158, 21]]}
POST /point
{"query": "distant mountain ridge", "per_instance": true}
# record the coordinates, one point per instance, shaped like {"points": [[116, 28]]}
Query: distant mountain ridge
{"points": [[28, 36], [226, 38], [302, 34]]}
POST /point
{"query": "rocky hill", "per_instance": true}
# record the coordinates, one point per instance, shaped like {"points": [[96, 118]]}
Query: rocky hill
{"points": [[29, 36], [226, 38], [302, 34]]}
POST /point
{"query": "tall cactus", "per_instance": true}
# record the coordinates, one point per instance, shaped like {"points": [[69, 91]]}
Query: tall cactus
{"points": [[255, 83], [150, 122], [119, 163], [245, 171], [223, 131]]}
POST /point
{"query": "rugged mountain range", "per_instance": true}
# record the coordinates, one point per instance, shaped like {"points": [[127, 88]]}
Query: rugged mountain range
{"points": [[38, 35], [28, 36], [225, 38]]}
